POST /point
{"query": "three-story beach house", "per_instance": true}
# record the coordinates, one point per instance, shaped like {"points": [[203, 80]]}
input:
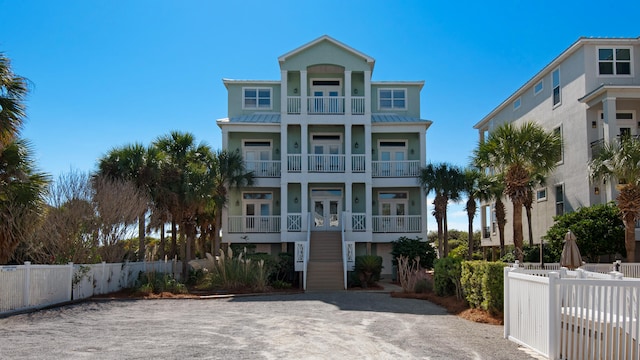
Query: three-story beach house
{"points": [[336, 158], [590, 95]]}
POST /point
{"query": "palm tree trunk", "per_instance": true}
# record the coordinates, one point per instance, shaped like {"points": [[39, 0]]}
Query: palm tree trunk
{"points": [[528, 212], [162, 242], [141, 236], [501, 218], [216, 233], [445, 239], [174, 239], [471, 211], [629, 221], [517, 229]]}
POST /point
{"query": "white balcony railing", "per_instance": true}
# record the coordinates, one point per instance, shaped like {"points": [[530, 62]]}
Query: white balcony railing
{"points": [[294, 163], [397, 224], [326, 163], [254, 224], [325, 104], [357, 105], [358, 163], [294, 222], [264, 168], [408, 168], [358, 222]]}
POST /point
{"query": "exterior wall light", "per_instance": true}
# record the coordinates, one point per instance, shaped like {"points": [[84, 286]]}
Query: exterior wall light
{"points": [[295, 200], [356, 145], [295, 90], [596, 190], [357, 200], [355, 91], [295, 145]]}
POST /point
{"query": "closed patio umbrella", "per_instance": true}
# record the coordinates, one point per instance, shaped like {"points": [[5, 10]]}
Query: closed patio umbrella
{"points": [[570, 257]]}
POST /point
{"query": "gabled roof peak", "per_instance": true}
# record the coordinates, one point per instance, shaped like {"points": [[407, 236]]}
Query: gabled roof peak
{"points": [[328, 38]]}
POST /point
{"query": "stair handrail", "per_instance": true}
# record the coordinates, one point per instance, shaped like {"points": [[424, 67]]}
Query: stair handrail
{"points": [[344, 250], [306, 252]]}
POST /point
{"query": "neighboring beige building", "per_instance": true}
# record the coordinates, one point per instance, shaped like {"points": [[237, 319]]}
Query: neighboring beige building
{"points": [[590, 94]]}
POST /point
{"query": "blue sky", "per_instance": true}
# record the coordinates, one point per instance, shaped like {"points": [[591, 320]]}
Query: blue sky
{"points": [[111, 72]]}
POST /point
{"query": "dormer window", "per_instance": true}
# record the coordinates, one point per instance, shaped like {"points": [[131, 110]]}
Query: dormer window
{"points": [[256, 98], [392, 99]]}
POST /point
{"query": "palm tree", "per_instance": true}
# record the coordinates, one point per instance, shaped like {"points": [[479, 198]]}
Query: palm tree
{"points": [[621, 162], [490, 188], [229, 172], [13, 91], [469, 186], [22, 191], [445, 181], [519, 154], [139, 165]]}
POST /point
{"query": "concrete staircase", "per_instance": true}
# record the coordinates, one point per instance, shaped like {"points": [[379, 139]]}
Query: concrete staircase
{"points": [[325, 268]]}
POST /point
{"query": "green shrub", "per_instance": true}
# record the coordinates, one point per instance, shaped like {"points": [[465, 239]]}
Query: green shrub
{"points": [[483, 285], [279, 284], [237, 272], [446, 276], [152, 282], [413, 248], [368, 269]]}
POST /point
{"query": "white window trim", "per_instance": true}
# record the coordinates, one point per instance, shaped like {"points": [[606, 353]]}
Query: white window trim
{"points": [[392, 108], [517, 103], [541, 82], [257, 202], [257, 89], [614, 48], [561, 161], [544, 198], [559, 87], [564, 198]]}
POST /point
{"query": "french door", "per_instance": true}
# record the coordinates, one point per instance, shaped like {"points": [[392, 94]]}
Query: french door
{"points": [[326, 209]]}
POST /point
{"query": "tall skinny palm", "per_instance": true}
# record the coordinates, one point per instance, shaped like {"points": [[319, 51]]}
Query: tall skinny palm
{"points": [[519, 154], [490, 188], [621, 162], [469, 187], [229, 173], [445, 181]]}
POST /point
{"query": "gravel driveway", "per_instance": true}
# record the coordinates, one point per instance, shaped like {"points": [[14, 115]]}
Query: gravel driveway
{"points": [[337, 325]]}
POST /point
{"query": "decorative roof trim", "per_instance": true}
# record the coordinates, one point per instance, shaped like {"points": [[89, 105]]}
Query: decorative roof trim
{"points": [[328, 38]]}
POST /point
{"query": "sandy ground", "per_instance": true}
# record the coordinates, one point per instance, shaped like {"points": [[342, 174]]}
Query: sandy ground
{"points": [[337, 325]]}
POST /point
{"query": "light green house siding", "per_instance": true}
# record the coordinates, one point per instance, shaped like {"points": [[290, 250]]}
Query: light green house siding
{"points": [[413, 99], [235, 98], [325, 53]]}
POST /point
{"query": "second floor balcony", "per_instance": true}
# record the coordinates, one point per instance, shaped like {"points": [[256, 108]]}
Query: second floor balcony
{"points": [[325, 105]]}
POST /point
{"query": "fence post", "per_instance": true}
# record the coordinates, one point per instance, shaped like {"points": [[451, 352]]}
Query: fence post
{"points": [[505, 303], [102, 281], [70, 282], [27, 284], [554, 309]]}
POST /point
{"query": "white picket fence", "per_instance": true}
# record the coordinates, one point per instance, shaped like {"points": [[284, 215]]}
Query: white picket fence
{"points": [[25, 287], [565, 314]]}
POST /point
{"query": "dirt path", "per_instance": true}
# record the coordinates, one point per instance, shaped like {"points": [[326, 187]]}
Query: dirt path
{"points": [[337, 325]]}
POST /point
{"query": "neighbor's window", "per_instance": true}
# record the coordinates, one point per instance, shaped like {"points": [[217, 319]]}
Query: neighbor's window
{"points": [[559, 200], [538, 87], [256, 98], [614, 61], [556, 86], [558, 132], [392, 99], [541, 194], [517, 103]]}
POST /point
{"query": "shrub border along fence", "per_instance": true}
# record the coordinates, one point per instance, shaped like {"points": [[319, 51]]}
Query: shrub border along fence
{"points": [[31, 287]]}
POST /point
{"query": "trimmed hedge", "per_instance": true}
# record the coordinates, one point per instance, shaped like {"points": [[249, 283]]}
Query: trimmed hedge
{"points": [[483, 285], [446, 276]]}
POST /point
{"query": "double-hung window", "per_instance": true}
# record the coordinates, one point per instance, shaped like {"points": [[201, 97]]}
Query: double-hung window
{"points": [[555, 79], [256, 98], [614, 61], [392, 99]]}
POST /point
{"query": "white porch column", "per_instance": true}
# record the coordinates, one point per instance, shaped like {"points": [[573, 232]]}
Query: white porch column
{"points": [[284, 98], [348, 208], [225, 138], [370, 197], [304, 145], [423, 148], [303, 93], [304, 205], [367, 93], [424, 213], [348, 109], [610, 122], [347, 148], [368, 145]]}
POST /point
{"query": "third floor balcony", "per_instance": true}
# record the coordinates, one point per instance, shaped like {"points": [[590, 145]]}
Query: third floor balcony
{"points": [[325, 105]]}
